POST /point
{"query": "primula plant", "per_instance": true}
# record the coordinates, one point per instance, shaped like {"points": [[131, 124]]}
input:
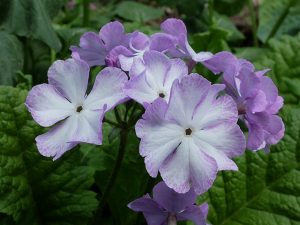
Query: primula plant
{"points": [[156, 127], [188, 131]]}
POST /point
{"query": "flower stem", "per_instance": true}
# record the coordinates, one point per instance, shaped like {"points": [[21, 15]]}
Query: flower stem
{"points": [[253, 21], [86, 12], [172, 220], [113, 175]]}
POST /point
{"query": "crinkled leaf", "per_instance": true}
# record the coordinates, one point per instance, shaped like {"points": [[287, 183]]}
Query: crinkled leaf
{"points": [[278, 17], [35, 190], [138, 12], [283, 59], [11, 58], [265, 190], [30, 18]]}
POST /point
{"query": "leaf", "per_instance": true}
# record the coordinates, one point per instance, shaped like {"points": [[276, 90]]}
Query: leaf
{"points": [[11, 58], [137, 12], [229, 7], [214, 40], [265, 190], [35, 190], [278, 17], [30, 18], [283, 58]]}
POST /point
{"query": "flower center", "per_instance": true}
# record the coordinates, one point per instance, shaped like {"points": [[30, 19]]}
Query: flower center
{"points": [[162, 95], [188, 131], [79, 109]]}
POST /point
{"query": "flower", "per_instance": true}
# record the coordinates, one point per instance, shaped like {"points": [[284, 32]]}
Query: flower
{"points": [[130, 58], [192, 137], [64, 99], [256, 96], [94, 48], [168, 207], [156, 80], [174, 31]]}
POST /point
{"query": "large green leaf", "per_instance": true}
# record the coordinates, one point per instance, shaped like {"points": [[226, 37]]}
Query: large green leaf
{"points": [[35, 190], [283, 58], [11, 58], [265, 190], [138, 12], [278, 17], [30, 18]]}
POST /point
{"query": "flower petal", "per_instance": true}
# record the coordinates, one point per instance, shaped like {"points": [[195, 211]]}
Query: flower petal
{"points": [[167, 136], [203, 169], [226, 138], [138, 89], [112, 34], [193, 213], [89, 127], [55, 143], [176, 169], [153, 213], [157, 65], [91, 50], [171, 200], [211, 111], [70, 78], [47, 106], [108, 89], [184, 97]]}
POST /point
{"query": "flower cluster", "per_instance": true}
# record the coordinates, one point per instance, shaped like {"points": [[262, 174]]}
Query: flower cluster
{"points": [[189, 130]]}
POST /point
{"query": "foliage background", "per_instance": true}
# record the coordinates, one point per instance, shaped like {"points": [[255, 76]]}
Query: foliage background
{"points": [[37, 191]]}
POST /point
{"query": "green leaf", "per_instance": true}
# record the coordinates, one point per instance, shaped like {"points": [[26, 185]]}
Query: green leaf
{"points": [[283, 58], [265, 190], [137, 12], [30, 18], [214, 40], [229, 7], [278, 17], [11, 58], [35, 190]]}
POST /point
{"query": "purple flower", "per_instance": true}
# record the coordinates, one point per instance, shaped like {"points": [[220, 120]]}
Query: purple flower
{"points": [[167, 207], [176, 33], [63, 103], [192, 137], [156, 80], [130, 58], [94, 48], [256, 96]]}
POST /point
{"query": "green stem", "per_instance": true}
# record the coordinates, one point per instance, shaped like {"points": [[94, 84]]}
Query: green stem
{"points": [[211, 12], [86, 12], [113, 176], [280, 20], [253, 21]]}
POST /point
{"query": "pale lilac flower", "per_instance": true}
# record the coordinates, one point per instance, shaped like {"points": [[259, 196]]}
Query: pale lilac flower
{"points": [[256, 96], [63, 103], [175, 32], [167, 207], [94, 48], [156, 80], [192, 137], [130, 58]]}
